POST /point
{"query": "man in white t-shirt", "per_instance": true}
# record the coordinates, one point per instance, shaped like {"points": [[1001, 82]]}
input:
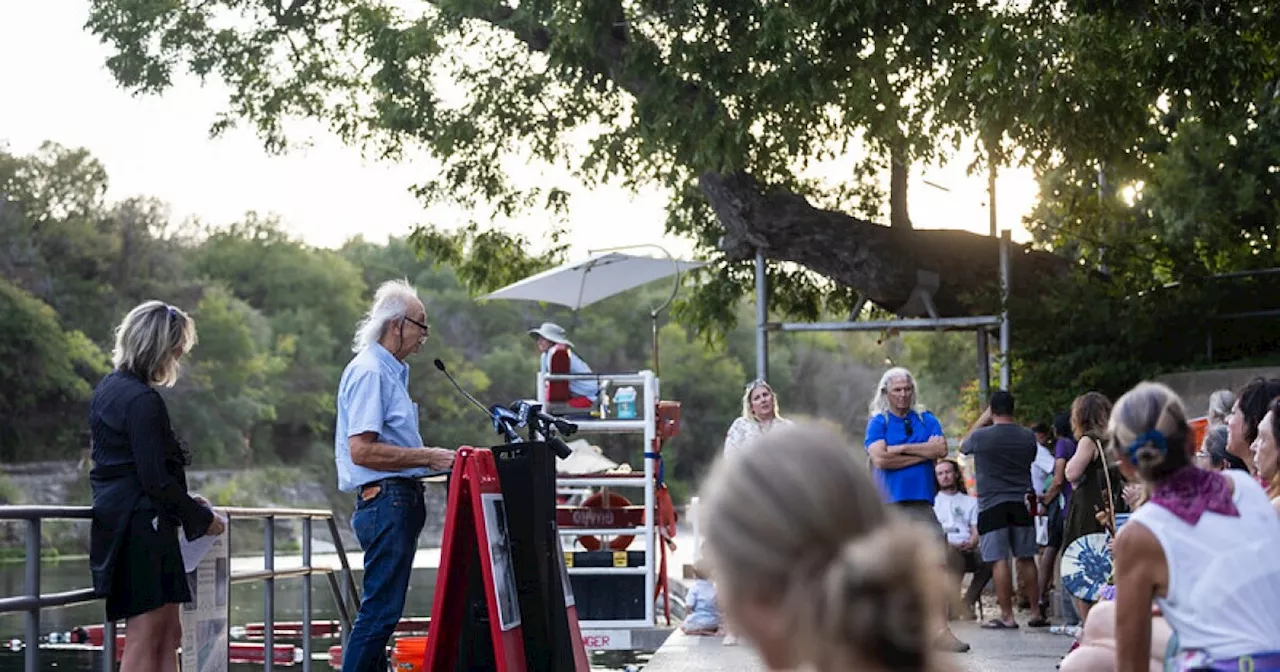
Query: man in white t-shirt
{"points": [[957, 512], [1042, 468]]}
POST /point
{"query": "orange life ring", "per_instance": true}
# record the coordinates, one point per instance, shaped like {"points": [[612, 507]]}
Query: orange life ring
{"points": [[597, 501]]}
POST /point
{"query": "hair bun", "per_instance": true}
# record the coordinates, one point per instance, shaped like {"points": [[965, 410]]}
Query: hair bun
{"points": [[1148, 456], [880, 595]]}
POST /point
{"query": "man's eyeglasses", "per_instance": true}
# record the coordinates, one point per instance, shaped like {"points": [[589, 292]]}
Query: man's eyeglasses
{"points": [[426, 330], [906, 425]]}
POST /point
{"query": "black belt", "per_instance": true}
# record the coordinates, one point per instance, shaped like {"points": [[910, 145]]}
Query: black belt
{"points": [[392, 482]]}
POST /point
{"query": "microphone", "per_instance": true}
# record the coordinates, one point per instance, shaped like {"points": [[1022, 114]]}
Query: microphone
{"points": [[563, 426], [551, 426], [505, 421], [440, 365], [518, 415]]}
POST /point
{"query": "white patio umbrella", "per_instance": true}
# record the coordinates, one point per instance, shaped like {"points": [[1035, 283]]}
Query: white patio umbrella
{"points": [[603, 274], [599, 277]]}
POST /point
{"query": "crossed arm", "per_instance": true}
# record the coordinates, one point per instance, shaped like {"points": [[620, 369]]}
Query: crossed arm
{"points": [[884, 456]]}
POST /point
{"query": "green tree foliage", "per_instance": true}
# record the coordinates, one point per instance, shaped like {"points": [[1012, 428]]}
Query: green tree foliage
{"points": [[229, 387], [275, 320], [1152, 125], [45, 368], [649, 93]]}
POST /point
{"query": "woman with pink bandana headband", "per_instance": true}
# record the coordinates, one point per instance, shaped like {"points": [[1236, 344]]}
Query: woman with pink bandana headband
{"points": [[1202, 549]]}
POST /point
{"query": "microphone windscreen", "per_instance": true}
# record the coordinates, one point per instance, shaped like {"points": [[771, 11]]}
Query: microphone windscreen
{"points": [[439, 365]]}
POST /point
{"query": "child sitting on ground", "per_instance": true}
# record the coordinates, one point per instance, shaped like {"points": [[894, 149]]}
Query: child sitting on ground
{"points": [[702, 616]]}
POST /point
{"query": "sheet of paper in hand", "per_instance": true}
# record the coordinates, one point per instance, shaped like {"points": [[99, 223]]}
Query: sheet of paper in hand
{"points": [[194, 551]]}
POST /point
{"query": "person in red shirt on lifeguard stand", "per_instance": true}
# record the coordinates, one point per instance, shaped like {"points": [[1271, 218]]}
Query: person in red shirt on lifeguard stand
{"points": [[557, 356]]}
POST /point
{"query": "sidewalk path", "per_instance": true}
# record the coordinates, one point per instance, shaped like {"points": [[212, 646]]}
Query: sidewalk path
{"points": [[993, 651]]}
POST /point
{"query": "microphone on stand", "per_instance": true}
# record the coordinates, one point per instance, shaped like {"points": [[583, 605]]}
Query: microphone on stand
{"points": [[503, 418], [440, 365]]}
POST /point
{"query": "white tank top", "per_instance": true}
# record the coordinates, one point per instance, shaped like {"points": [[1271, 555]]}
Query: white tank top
{"points": [[1224, 573]]}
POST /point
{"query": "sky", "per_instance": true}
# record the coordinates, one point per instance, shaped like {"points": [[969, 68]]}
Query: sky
{"points": [[54, 86]]}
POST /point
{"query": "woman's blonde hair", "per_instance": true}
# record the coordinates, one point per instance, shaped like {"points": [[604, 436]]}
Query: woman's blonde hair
{"points": [[1148, 429], [809, 537], [749, 413], [151, 340]]}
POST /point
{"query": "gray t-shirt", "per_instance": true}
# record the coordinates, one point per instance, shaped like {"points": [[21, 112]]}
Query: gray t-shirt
{"points": [[1002, 457]]}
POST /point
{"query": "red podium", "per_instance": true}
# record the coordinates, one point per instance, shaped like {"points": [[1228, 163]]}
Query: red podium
{"points": [[532, 623], [475, 528]]}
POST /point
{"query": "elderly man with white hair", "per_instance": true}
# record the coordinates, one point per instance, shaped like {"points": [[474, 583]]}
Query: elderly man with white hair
{"points": [[903, 444], [381, 458]]}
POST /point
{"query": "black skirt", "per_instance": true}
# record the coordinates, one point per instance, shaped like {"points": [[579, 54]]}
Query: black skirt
{"points": [[148, 571]]}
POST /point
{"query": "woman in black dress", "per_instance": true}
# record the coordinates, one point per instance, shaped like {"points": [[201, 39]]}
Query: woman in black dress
{"points": [[140, 497], [1089, 470]]}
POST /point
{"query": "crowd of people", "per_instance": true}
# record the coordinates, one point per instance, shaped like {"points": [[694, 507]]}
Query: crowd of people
{"points": [[825, 557], [827, 565]]}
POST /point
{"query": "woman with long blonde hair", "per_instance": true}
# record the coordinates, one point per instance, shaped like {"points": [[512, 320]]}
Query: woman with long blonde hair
{"points": [[140, 498], [760, 415], [812, 566]]}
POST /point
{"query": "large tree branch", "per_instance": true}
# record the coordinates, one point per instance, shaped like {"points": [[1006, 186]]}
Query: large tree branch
{"points": [[885, 264]]}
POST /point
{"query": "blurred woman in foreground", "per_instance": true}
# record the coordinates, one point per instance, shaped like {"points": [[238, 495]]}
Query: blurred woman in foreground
{"points": [[812, 567]]}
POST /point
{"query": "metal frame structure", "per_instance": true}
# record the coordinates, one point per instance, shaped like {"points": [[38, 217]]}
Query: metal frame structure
{"points": [[648, 425], [33, 601], [981, 324]]}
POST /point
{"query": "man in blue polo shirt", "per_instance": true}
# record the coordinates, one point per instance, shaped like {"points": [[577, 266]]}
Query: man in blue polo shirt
{"points": [[381, 458], [904, 444]]}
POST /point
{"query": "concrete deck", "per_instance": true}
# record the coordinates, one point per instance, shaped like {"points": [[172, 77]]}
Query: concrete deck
{"points": [[1025, 650]]}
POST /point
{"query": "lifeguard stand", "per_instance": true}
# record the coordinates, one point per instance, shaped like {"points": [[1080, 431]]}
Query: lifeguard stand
{"points": [[617, 589]]}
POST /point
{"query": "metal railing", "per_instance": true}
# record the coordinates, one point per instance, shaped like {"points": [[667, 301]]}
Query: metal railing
{"points": [[345, 592]]}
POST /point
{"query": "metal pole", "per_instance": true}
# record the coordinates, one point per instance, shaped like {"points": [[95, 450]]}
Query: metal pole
{"points": [[1005, 363], [269, 595], [762, 318], [651, 540], [31, 650], [991, 192], [109, 646], [654, 316], [306, 595], [984, 368], [345, 633]]}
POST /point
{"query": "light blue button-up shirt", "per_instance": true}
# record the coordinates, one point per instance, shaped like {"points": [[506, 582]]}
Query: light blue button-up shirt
{"points": [[373, 396]]}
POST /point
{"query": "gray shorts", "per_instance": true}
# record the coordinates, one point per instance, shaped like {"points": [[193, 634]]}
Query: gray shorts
{"points": [[1004, 530]]}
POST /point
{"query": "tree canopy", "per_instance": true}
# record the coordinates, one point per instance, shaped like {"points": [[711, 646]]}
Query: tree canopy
{"points": [[730, 105], [275, 319], [1152, 126]]}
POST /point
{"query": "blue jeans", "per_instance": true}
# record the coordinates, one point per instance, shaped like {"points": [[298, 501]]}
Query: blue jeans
{"points": [[387, 527]]}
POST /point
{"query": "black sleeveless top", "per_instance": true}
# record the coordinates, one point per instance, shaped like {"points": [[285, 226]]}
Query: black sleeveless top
{"points": [[1089, 495]]}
